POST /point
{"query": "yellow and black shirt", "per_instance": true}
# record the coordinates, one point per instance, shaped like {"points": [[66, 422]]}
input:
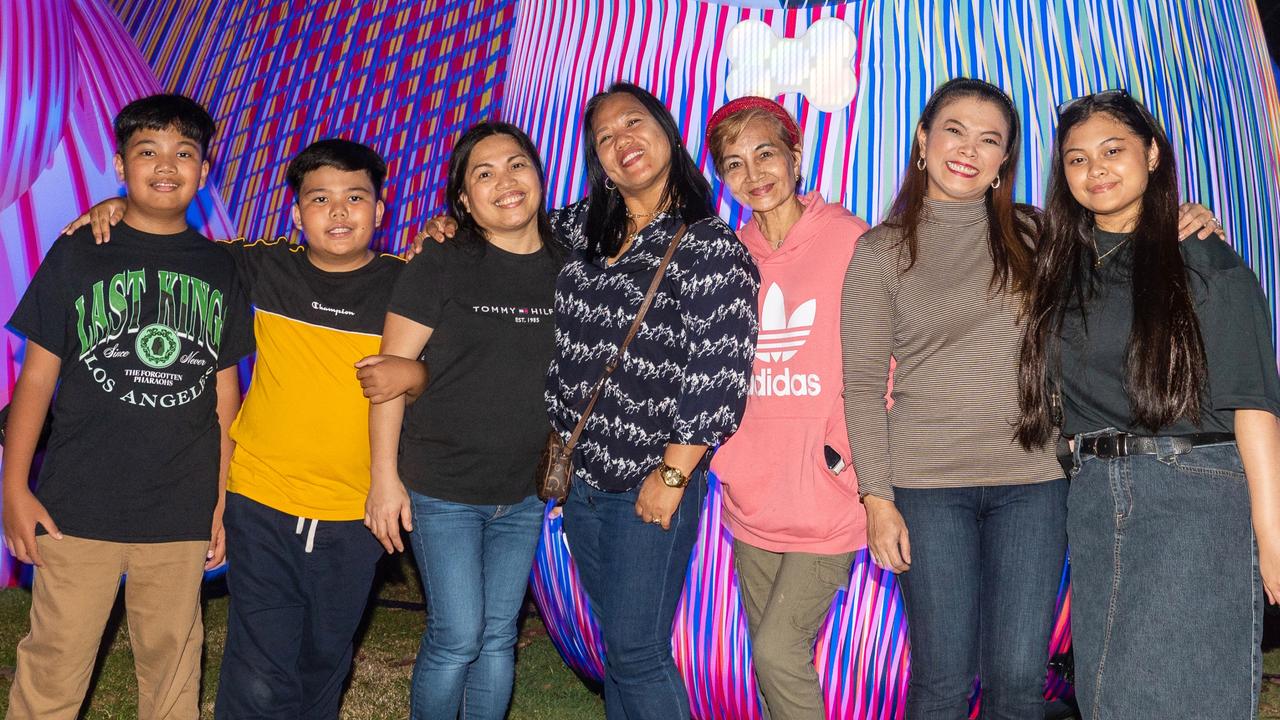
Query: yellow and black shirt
{"points": [[302, 435]]}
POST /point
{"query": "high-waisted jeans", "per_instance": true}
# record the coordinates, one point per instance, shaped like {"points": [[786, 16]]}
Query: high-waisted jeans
{"points": [[986, 563], [633, 572]]}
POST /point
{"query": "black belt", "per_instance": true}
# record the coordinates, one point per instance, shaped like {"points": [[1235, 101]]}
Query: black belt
{"points": [[1113, 445]]}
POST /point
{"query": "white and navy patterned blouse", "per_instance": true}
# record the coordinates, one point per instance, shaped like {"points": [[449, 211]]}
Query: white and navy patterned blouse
{"points": [[685, 375]]}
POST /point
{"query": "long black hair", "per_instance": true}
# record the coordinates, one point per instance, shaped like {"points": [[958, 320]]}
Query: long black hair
{"points": [[1164, 358], [1011, 225], [686, 191], [475, 237]]}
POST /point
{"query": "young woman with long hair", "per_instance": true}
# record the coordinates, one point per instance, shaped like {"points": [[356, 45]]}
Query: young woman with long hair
{"points": [[1155, 356]]}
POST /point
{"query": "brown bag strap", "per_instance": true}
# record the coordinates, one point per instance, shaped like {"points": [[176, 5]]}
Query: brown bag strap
{"points": [[616, 359]]}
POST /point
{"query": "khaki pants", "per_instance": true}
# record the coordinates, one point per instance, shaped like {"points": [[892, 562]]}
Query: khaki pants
{"points": [[70, 603], [786, 597]]}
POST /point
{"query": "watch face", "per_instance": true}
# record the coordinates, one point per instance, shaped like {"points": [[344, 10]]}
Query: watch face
{"points": [[673, 477]]}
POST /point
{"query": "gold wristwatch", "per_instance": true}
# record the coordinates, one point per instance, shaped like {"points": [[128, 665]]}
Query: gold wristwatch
{"points": [[672, 477]]}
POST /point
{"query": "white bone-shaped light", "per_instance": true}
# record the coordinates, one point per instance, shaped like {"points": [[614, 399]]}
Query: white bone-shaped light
{"points": [[818, 64]]}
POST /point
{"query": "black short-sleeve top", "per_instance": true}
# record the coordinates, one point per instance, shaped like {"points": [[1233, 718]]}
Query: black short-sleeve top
{"points": [[1235, 326], [477, 431]]}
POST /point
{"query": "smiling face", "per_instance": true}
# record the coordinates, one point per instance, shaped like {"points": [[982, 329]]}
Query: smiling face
{"points": [[964, 149], [759, 168], [1107, 166], [162, 170], [501, 189], [634, 151], [337, 211]]}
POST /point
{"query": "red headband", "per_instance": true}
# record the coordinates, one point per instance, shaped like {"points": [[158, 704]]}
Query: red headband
{"points": [[752, 102]]}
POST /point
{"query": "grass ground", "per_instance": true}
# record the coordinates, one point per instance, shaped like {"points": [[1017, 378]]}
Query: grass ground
{"points": [[545, 689]]}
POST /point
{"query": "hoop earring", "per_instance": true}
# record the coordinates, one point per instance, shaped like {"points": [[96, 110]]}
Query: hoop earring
{"points": [[920, 164], [995, 185], [608, 185]]}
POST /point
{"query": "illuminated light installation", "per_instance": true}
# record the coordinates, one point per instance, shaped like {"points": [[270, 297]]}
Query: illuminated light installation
{"points": [[817, 64]]}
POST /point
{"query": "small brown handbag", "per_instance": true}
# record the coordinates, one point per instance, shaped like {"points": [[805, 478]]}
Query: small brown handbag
{"points": [[555, 472]]}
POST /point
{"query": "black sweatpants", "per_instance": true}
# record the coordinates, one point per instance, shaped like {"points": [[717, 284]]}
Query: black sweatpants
{"points": [[298, 590]]}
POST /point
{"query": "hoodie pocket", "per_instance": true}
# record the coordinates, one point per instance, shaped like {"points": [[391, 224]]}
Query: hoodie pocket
{"points": [[776, 481]]}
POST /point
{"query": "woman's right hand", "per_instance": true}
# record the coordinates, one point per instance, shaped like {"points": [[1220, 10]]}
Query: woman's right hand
{"points": [[102, 216], [387, 509], [438, 228], [887, 534]]}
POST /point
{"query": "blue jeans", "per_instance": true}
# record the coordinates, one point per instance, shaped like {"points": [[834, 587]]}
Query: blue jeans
{"points": [[980, 595], [633, 572], [474, 561], [1166, 613]]}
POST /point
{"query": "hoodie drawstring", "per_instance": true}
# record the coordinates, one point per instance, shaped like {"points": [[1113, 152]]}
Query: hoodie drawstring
{"points": [[311, 535]]}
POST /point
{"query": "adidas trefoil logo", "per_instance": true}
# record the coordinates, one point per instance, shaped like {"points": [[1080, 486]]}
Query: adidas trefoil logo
{"points": [[781, 337]]}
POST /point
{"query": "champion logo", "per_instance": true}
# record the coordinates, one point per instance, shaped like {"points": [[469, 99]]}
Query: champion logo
{"points": [[781, 337]]}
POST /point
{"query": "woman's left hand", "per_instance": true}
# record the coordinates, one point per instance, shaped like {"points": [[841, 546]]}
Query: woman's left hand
{"points": [[1269, 566], [1198, 219], [657, 502]]}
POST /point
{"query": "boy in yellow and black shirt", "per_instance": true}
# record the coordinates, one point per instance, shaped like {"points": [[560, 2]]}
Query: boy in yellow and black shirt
{"points": [[300, 561]]}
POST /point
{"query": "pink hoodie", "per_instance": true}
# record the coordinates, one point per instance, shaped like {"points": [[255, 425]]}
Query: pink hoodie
{"points": [[779, 494]]}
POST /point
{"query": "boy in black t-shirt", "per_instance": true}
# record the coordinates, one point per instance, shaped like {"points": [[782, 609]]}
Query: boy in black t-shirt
{"points": [[140, 339]]}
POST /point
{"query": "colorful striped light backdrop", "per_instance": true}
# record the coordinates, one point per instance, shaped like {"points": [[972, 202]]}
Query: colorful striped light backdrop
{"points": [[862, 653], [403, 76], [1201, 65]]}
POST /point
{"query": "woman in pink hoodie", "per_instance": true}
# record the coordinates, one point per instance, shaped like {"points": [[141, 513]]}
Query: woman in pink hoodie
{"points": [[790, 496]]}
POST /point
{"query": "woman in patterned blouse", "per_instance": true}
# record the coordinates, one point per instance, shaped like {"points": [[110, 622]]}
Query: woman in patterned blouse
{"points": [[632, 514]]}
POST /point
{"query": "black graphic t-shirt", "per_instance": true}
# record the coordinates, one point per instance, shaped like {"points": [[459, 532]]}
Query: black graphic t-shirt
{"points": [[476, 434], [142, 325]]}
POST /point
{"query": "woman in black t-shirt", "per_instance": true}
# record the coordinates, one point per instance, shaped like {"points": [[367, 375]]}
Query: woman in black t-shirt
{"points": [[1160, 353], [478, 310]]}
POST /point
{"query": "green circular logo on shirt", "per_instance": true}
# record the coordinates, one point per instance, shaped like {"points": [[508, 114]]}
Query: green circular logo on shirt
{"points": [[157, 346]]}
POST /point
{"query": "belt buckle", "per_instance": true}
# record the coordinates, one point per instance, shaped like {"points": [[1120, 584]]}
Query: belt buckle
{"points": [[1111, 446]]}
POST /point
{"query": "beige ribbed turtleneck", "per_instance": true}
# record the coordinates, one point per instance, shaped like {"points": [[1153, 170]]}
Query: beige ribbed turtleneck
{"points": [[955, 393]]}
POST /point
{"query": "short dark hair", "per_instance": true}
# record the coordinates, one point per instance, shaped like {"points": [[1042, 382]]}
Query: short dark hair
{"points": [[166, 111], [345, 155]]}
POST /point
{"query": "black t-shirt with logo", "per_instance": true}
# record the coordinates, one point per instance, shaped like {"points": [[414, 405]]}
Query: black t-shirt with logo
{"points": [[142, 325], [476, 434]]}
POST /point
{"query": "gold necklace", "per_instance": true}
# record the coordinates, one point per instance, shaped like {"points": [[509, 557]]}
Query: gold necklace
{"points": [[1098, 262], [638, 215]]}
